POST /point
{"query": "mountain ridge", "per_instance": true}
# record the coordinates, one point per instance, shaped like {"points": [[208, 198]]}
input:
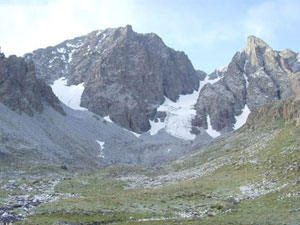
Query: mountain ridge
{"points": [[254, 77], [126, 74]]}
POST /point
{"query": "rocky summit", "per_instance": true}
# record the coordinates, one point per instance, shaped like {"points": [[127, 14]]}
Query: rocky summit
{"points": [[254, 77], [126, 75]]}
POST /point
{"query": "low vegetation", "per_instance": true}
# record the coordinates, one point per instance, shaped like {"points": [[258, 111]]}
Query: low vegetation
{"points": [[252, 177]]}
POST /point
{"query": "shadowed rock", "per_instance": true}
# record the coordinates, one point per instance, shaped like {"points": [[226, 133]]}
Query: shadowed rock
{"points": [[20, 90]]}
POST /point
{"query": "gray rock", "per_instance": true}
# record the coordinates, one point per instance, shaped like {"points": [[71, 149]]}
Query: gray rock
{"points": [[71, 140], [211, 214], [254, 77], [20, 90], [127, 75], [232, 200], [201, 74]]}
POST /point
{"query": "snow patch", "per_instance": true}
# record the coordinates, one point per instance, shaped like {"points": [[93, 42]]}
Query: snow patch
{"points": [[107, 119], [213, 133], [63, 57], [242, 118], [69, 95], [104, 36], [246, 79], [179, 114], [71, 55], [101, 143], [77, 45], [61, 50]]}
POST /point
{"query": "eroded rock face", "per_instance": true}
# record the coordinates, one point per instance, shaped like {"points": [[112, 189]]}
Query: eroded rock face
{"points": [[254, 77], [20, 90], [126, 74]]}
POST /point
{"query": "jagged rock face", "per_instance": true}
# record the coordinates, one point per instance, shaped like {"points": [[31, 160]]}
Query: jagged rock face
{"points": [[20, 90], [126, 74], [254, 77]]}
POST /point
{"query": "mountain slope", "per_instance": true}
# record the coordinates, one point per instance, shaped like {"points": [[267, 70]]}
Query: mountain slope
{"points": [[36, 128], [80, 139], [248, 178], [254, 77], [126, 75]]}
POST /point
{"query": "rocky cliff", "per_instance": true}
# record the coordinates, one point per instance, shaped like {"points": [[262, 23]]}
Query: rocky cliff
{"points": [[20, 90], [254, 77], [126, 75]]}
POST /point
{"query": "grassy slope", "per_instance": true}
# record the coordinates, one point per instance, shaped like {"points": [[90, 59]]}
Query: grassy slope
{"points": [[269, 160]]}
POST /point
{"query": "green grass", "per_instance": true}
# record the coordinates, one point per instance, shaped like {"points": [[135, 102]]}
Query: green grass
{"points": [[104, 199]]}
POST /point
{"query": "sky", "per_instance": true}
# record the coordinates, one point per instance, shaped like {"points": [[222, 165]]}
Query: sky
{"points": [[209, 32]]}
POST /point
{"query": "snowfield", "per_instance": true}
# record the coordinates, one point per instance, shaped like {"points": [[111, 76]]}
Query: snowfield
{"points": [[213, 133], [241, 119], [101, 143], [69, 95], [179, 114]]}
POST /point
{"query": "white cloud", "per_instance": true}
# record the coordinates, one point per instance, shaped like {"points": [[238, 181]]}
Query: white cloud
{"points": [[270, 17], [31, 26], [34, 25], [209, 31]]}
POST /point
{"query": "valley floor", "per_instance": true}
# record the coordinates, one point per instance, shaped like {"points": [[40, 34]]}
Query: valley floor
{"points": [[252, 177]]}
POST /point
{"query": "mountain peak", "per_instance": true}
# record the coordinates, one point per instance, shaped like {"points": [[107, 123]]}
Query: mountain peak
{"points": [[128, 27], [253, 42], [126, 30], [129, 64]]}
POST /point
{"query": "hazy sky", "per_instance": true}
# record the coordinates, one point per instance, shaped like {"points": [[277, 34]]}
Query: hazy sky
{"points": [[210, 32]]}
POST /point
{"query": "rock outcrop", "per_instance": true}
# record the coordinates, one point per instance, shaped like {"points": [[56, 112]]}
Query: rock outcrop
{"points": [[20, 90], [286, 111], [254, 77], [126, 75]]}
